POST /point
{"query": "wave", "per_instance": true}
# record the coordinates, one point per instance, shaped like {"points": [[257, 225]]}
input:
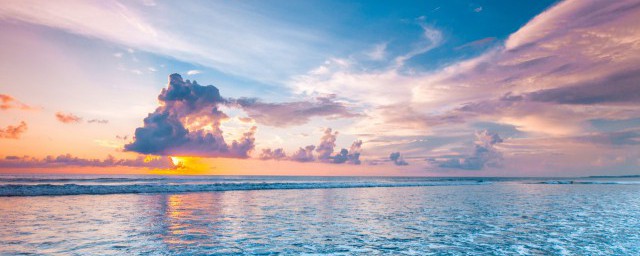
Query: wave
{"points": [[66, 180], [566, 182], [75, 189]]}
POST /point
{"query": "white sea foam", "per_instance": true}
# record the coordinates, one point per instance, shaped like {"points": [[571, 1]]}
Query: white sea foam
{"points": [[76, 189]]}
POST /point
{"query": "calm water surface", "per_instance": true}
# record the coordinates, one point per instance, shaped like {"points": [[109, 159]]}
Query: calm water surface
{"points": [[495, 217]]}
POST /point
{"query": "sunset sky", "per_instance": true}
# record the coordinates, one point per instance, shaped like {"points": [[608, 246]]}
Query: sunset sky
{"points": [[424, 88]]}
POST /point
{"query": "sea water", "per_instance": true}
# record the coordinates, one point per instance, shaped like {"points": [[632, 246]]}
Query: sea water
{"points": [[214, 215]]}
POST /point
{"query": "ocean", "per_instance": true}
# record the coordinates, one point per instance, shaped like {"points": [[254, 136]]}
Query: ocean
{"points": [[227, 215]]}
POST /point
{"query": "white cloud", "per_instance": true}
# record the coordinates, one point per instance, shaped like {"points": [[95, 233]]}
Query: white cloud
{"points": [[193, 72], [378, 52], [572, 43], [220, 35]]}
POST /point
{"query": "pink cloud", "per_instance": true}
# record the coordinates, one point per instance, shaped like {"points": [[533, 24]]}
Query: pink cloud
{"points": [[68, 118]]}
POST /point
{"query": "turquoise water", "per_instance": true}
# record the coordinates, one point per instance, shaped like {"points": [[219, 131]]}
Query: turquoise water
{"points": [[300, 215]]}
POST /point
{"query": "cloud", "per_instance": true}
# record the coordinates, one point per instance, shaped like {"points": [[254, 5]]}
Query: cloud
{"points": [[293, 113], [349, 156], [431, 38], [397, 159], [484, 154], [477, 43], [187, 123], [304, 154], [575, 62], [70, 160], [276, 154], [629, 137], [225, 41], [193, 72], [68, 118], [98, 121], [327, 143], [13, 132], [351, 78], [324, 149], [8, 102], [617, 88], [378, 52]]}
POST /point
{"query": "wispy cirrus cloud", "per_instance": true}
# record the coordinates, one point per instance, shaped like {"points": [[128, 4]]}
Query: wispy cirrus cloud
{"points": [[294, 113], [283, 46]]}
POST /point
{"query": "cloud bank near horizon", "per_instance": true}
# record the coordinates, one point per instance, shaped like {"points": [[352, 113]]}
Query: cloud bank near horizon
{"points": [[70, 160], [324, 150]]}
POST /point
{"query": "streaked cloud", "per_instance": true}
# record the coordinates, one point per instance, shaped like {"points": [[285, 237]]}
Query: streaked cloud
{"points": [[68, 118], [294, 113], [69, 160], [193, 72], [282, 45]]}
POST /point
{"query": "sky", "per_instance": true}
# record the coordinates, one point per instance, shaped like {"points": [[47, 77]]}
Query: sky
{"points": [[409, 88]]}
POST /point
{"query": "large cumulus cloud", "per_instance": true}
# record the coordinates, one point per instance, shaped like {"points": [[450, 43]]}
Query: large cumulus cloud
{"points": [[187, 122]]}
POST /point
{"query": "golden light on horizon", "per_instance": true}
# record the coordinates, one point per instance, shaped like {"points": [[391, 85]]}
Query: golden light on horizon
{"points": [[188, 165]]}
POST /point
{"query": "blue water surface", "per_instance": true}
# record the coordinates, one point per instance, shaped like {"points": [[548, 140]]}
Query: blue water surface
{"points": [[318, 215]]}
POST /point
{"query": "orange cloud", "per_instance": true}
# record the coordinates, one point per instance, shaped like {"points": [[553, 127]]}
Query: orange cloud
{"points": [[68, 118], [8, 102], [13, 132]]}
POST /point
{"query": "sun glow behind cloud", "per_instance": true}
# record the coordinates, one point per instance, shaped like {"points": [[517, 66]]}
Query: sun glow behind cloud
{"points": [[188, 165]]}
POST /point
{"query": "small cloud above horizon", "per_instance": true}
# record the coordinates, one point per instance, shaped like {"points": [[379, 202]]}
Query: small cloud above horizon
{"points": [[13, 131], [68, 118]]}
